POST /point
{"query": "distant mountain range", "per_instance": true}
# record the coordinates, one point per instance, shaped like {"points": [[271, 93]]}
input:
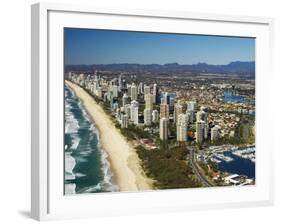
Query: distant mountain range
{"points": [[237, 67]]}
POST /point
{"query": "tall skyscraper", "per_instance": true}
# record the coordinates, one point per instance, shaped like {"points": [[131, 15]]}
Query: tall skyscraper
{"points": [[148, 101], [166, 98], [191, 105], [163, 129], [155, 92], [190, 116], [135, 112], [124, 99], [147, 113], [114, 90], [140, 88], [120, 82], [206, 131], [164, 111], [200, 126], [155, 116], [146, 89], [202, 116], [127, 110], [178, 109], [99, 92], [214, 133], [124, 121], [181, 128], [129, 90], [134, 92]]}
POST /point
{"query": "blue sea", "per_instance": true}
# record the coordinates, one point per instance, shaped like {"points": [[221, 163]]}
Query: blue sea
{"points": [[87, 169]]}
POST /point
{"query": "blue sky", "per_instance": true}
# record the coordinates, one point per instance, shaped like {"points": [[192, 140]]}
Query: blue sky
{"points": [[90, 46]]}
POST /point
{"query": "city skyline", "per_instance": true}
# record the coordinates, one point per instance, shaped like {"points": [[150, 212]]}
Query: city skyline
{"points": [[92, 46]]}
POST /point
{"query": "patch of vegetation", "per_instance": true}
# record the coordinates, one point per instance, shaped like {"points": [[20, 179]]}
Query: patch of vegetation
{"points": [[168, 167]]}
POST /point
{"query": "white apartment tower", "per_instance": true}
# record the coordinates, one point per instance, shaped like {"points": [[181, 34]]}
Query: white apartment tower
{"points": [[181, 128], [214, 133], [134, 92], [114, 90], [164, 111], [147, 113], [191, 105], [178, 109], [200, 126], [124, 121], [148, 101], [135, 112], [163, 129], [124, 99], [146, 89], [155, 116]]}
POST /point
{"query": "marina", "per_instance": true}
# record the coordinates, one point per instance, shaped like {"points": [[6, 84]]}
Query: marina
{"points": [[232, 159]]}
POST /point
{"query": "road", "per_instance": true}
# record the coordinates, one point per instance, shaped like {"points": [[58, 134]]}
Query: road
{"points": [[203, 179]]}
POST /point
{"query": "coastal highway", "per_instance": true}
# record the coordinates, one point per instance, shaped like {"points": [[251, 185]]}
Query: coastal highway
{"points": [[203, 179]]}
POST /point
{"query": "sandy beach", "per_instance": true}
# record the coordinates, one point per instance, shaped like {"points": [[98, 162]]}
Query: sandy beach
{"points": [[123, 158]]}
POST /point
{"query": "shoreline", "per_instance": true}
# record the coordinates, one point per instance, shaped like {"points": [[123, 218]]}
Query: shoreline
{"points": [[124, 161]]}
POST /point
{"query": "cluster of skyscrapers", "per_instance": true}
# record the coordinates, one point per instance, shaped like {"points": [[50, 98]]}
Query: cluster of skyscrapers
{"points": [[159, 108]]}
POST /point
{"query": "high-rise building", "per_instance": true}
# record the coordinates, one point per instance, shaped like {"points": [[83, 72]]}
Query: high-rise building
{"points": [[120, 82], [155, 116], [115, 106], [163, 129], [114, 90], [190, 116], [124, 84], [148, 101], [140, 88], [134, 112], [81, 79], [127, 110], [124, 121], [129, 89], [191, 105], [147, 113], [214, 133], [202, 116], [155, 92], [146, 89], [178, 109], [118, 113], [134, 92], [99, 92], [181, 128], [164, 111], [166, 98], [124, 99], [206, 131], [200, 126]]}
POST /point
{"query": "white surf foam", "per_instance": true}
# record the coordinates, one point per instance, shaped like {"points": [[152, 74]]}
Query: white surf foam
{"points": [[75, 142], [69, 188], [69, 165], [93, 188], [107, 183]]}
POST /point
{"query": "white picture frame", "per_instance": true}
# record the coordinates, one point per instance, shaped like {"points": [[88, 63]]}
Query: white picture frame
{"points": [[47, 199]]}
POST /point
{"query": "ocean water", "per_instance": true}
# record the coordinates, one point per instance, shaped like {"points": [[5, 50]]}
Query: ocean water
{"points": [[87, 169]]}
